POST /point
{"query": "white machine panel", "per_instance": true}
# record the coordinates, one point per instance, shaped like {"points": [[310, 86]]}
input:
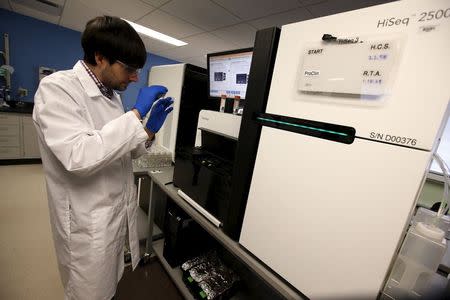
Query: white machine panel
{"points": [[330, 230], [172, 77], [224, 124], [416, 72], [327, 216]]}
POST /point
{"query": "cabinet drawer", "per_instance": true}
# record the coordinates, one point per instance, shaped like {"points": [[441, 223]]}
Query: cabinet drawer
{"points": [[9, 152], [9, 119], [28, 120], [9, 141], [9, 130]]}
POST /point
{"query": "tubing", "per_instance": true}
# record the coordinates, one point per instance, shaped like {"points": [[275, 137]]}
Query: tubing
{"points": [[445, 200]]}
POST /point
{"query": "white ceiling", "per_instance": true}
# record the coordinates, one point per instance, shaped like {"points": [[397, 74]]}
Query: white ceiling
{"points": [[206, 25]]}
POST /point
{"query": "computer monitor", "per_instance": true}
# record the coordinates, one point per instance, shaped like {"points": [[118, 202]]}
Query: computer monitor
{"points": [[228, 73]]}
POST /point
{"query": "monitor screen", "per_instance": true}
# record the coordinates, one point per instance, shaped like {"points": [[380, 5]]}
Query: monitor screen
{"points": [[228, 73]]}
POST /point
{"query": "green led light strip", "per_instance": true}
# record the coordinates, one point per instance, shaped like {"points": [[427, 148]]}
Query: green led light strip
{"points": [[302, 126]]}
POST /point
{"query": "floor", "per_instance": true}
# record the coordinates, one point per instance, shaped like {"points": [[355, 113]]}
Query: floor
{"points": [[147, 282], [26, 246], [27, 256]]}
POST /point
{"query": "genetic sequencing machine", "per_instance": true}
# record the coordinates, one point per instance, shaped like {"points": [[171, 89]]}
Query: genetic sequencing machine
{"points": [[342, 117], [356, 107]]}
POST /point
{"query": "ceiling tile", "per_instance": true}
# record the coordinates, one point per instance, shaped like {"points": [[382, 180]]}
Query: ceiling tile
{"points": [[296, 15], [5, 4], [155, 3], [199, 45], [202, 13], [198, 61], [330, 7], [242, 34], [333, 7], [310, 2], [170, 56], [188, 19], [252, 9], [34, 13], [167, 24], [130, 9], [76, 14], [155, 46], [209, 43], [54, 8]]}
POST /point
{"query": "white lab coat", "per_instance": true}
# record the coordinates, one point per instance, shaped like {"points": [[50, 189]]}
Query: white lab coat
{"points": [[86, 142]]}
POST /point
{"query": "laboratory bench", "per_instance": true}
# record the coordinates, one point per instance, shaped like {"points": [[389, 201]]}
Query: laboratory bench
{"points": [[21, 109], [257, 281]]}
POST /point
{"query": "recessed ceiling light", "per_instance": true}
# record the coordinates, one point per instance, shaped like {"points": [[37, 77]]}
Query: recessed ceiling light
{"points": [[155, 34]]}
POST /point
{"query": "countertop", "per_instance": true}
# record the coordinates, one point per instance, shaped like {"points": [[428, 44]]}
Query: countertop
{"points": [[27, 109]]}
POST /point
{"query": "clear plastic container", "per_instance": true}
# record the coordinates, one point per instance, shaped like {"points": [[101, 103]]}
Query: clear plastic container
{"points": [[429, 217], [416, 263], [158, 157]]}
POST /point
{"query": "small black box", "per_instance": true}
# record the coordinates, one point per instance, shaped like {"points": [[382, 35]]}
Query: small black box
{"points": [[184, 238]]}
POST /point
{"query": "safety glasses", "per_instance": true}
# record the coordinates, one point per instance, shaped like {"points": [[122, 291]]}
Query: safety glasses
{"points": [[130, 70]]}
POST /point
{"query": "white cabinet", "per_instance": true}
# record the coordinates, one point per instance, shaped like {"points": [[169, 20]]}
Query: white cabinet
{"points": [[29, 138], [10, 138], [18, 137]]}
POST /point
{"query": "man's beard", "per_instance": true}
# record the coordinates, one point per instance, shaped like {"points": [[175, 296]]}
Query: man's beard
{"points": [[119, 87], [109, 83]]}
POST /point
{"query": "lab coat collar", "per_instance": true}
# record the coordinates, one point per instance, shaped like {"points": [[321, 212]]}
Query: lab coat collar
{"points": [[86, 81]]}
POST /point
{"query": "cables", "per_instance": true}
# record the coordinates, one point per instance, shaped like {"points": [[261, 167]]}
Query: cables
{"points": [[445, 171]]}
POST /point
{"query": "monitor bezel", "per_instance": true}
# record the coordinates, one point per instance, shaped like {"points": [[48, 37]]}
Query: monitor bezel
{"points": [[209, 55]]}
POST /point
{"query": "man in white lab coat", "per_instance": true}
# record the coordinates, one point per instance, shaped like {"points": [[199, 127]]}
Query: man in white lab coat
{"points": [[87, 142]]}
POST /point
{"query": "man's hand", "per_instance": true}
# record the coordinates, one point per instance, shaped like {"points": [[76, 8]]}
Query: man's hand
{"points": [[146, 97], [158, 114]]}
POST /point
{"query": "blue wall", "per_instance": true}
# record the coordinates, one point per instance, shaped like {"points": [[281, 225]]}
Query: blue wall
{"points": [[34, 43]]}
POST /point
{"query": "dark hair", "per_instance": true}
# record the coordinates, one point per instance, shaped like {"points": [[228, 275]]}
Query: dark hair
{"points": [[115, 39]]}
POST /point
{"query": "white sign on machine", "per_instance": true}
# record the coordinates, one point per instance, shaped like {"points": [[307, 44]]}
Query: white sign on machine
{"points": [[364, 67]]}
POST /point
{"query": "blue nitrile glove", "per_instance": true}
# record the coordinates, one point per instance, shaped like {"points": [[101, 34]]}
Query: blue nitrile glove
{"points": [[146, 98], [158, 114]]}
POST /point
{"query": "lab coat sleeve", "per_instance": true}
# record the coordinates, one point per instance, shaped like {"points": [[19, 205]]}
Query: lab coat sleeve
{"points": [[80, 148]]}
